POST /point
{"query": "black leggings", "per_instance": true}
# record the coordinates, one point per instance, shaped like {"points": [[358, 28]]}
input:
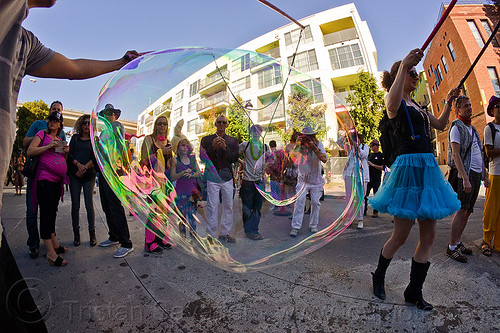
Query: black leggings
{"points": [[48, 195]]}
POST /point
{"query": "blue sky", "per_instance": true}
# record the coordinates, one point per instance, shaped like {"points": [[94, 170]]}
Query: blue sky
{"points": [[105, 29]]}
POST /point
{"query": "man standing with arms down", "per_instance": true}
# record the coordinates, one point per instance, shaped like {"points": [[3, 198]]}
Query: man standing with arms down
{"points": [[22, 53], [464, 154], [222, 150]]}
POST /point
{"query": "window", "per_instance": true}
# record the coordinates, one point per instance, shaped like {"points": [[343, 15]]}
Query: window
{"points": [[179, 97], [245, 62], [438, 71], [191, 126], [487, 28], [241, 84], [494, 80], [305, 61], [433, 89], [269, 76], [445, 65], [311, 88], [475, 32], [193, 89], [178, 112], [292, 37], [432, 70], [192, 106], [437, 106], [452, 51], [346, 56]]}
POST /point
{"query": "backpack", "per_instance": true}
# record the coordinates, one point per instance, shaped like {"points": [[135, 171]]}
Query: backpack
{"points": [[486, 159], [388, 139]]}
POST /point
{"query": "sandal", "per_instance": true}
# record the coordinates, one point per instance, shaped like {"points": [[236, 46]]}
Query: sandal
{"points": [[61, 249], [58, 262], [486, 250]]}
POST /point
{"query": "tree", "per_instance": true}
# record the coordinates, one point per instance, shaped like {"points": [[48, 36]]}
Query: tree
{"points": [[301, 113], [26, 115], [238, 121], [366, 106]]}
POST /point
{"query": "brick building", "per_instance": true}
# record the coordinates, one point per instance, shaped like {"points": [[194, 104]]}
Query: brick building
{"points": [[450, 55]]}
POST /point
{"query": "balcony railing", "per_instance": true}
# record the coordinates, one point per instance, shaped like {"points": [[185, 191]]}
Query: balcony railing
{"points": [[149, 119], [162, 108], [221, 97], [199, 128], [343, 96], [340, 36], [269, 112], [214, 78]]}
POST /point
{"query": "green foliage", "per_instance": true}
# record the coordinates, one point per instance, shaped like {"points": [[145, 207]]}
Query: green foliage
{"points": [[366, 106], [301, 113], [26, 115], [238, 121]]}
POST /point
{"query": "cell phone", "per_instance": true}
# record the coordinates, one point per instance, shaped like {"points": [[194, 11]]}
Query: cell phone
{"points": [[59, 147]]}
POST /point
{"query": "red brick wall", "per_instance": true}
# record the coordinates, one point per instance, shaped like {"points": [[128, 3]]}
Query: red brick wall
{"points": [[457, 30]]}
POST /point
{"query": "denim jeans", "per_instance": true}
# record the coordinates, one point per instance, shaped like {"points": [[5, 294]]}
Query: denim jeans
{"points": [[251, 202], [75, 188], [31, 218]]}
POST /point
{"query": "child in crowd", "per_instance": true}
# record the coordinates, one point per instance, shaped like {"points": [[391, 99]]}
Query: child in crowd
{"points": [[186, 172]]}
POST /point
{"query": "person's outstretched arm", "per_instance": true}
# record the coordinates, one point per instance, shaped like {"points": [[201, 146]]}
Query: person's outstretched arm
{"points": [[61, 67]]}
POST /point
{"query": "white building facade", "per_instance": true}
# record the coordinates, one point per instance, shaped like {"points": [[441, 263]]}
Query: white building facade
{"points": [[335, 46]]}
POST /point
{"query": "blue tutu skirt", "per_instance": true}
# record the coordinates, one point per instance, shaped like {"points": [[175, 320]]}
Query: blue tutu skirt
{"points": [[415, 189]]}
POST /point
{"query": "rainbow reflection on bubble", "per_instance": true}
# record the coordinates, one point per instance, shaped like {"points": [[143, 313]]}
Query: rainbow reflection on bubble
{"points": [[196, 84]]}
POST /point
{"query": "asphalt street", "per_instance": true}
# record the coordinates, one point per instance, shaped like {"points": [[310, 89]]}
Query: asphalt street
{"points": [[328, 290]]}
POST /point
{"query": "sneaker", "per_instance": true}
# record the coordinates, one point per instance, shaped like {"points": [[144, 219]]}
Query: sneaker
{"points": [[34, 253], [294, 232], [360, 224], [122, 252], [456, 254], [314, 230], [463, 249], [108, 242]]}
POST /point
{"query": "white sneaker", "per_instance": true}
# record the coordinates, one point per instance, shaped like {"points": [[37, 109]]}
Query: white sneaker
{"points": [[294, 232], [122, 252], [314, 230], [108, 242], [360, 224]]}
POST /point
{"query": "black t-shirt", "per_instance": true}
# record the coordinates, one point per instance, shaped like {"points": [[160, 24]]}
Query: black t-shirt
{"points": [[421, 128], [377, 159]]}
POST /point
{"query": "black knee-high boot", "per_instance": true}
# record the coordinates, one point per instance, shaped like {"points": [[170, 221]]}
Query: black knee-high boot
{"points": [[413, 293], [378, 276]]}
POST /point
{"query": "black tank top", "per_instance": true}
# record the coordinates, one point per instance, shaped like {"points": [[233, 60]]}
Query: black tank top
{"points": [[421, 127]]}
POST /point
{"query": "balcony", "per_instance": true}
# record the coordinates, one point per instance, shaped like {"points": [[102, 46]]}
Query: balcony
{"points": [[214, 83], [340, 36], [159, 110], [269, 112], [343, 96], [217, 102], [199, 128], [149, 119]]}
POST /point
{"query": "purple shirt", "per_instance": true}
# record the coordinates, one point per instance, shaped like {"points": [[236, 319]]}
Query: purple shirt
{"points": [[51, 165]]}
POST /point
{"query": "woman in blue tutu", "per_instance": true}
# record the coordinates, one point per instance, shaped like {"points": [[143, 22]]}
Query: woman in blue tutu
{"points": [[415, 189]]}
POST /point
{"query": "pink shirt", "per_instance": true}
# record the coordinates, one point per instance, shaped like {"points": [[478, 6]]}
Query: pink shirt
{"points": [[51, 165]]}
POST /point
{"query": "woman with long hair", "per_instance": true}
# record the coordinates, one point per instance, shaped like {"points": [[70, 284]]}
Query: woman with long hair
{"points": [[82, 174], [48, 182], [415, 189], [151, 147]]}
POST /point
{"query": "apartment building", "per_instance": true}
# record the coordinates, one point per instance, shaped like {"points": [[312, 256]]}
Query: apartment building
{"points": [[450, 55], [335, 46]]}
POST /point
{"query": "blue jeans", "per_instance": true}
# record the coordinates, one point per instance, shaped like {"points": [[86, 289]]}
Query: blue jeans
{"points": [[75, 188], [251, 201], [31, 218]]}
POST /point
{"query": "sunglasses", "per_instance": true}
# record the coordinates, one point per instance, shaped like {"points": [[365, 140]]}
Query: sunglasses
{"points": [[161, 123], [53, 120], [221, 122], [86, 122], [413, 74], [374, 144]]}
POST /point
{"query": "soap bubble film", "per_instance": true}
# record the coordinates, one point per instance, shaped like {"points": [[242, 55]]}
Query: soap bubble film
{"points": [[178, 95]]}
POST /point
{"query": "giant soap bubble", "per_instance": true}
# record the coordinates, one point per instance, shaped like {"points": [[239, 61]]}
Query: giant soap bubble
{"points": [[254, 91]]}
